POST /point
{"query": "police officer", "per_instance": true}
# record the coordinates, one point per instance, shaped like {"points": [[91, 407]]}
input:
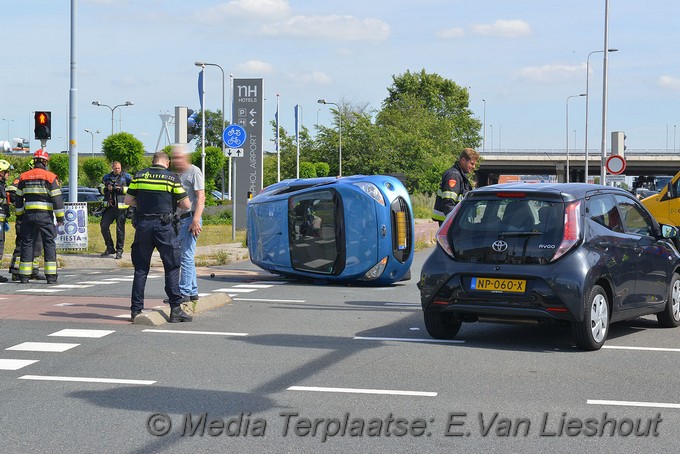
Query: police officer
{"points": [[114, 187], [11, 190], [5, 167], [157, 193], [38, 202], [454, 184]]}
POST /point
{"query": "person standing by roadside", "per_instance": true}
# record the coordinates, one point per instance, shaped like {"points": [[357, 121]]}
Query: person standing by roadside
{"points": [[190, 223], [5, 168], [156, 193], [39, 201], [114, 187], [16, 255], [454, 184]]}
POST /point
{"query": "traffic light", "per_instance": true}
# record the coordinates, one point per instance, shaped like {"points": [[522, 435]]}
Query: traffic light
{"points": [[618, 143], [43, 125]]}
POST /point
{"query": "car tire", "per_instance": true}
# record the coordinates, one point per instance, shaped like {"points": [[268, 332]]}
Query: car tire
{"points": [[407, 276], [441, 325], [670, 316], [591, 333]]}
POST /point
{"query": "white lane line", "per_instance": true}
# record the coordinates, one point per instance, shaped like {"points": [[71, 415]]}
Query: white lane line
{"points": [[648, 349], [235, 290], [626, 403], [91, 333], [255, 286], [120, 381], [121, 279], [404, 304], [98, 282], [42, 347], [408, 339], [64, 304], [267, 300], [209, 333], [271, 282], [15, 364], [393, 392], [66, 286], [40, 290]]}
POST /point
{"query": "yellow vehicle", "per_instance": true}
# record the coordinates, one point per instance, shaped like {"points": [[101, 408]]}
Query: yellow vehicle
{"points": [[665, 206]]}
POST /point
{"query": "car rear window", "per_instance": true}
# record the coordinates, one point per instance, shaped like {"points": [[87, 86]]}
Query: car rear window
{"points": [[507, 230]]}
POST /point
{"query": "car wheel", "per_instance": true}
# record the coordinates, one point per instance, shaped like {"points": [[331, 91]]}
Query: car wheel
{"points": [[591, 333], [670, 316], [407, 276], [441, 325]]}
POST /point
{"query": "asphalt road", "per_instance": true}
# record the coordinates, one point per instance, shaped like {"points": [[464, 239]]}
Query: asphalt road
{"points": [[296, 367]]}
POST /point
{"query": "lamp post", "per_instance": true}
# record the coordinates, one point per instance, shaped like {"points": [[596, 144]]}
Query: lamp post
{"points": [[491, 128], [585, 146], [201, 64], [568, 98], [605, 72], [323, 101], [9, 137], [484, 129], [92, 134], [126, 104]]}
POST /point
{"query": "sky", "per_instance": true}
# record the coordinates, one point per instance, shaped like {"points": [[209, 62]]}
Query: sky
{"points": [[521, 60]]}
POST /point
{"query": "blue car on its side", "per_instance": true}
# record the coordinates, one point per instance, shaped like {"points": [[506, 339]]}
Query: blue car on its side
{"points": [[345, 229]]}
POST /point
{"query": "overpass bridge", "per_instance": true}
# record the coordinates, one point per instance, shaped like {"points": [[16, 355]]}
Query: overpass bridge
{"points": [[495, 163]]}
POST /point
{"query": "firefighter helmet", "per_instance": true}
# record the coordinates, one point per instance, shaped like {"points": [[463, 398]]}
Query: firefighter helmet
{"points": [[41, 154], [5, 166]]}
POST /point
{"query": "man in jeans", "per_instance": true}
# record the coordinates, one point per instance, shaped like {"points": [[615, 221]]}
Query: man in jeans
{"points": [[190, 223]]}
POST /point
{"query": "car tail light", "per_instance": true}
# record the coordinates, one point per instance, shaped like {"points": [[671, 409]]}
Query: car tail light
{"points": [[511, 195], [443, 232], [572, 229]]}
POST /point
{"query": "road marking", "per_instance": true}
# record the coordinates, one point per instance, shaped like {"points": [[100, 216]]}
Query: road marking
{"points": [[235, 290], [39, 290], [119, 381], [121, 279], [98, 282], [266, 300], [65, 304], [404, 304], [626, 403], [209, 333], [255, 286], [393, 392], [271, 282], [92, 333], [649, 349], [408, 339], [67, 286], [15, 364], [42, 347]]}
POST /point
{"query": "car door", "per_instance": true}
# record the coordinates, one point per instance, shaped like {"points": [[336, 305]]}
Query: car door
{"points": [[616, 247], [651, 253]]}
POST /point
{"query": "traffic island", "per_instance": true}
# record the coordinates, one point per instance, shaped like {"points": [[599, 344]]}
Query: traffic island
{"points": [[205, 303]]}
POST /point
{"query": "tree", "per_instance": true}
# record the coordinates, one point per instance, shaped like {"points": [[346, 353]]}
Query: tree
{"points": [[124, 148], [213, 129], [94, 170]]}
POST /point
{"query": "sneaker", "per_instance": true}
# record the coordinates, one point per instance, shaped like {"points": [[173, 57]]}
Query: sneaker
{"points": [[119, 255], [177, 315], [106, 253]]}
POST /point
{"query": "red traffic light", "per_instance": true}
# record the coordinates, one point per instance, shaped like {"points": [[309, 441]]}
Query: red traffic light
{"points": [[43, 125]]}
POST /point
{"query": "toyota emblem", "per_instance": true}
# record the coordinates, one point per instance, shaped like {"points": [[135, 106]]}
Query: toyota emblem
{"points": [[499, 246]]}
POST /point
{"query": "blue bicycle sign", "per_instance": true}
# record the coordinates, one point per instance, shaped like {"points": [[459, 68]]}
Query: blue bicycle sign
{"points": [[234, 136]]}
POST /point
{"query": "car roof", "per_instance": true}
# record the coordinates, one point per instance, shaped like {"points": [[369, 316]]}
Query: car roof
{"points": [[567, 191]]}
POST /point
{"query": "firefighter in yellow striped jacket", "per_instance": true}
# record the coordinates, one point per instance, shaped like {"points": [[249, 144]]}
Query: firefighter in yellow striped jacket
{"points": [[5, 168], [39, 201], [454, 184]]}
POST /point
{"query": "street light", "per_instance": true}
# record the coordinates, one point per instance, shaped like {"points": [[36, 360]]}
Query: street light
{"points": [[587, 98], [127, 103], [92, 134], [9, 138], [323, 101], [484, 120], [568, 98]]}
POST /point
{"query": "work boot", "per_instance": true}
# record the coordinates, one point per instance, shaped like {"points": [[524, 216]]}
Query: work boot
{"points": [[3, 279], [51, 279], [178, 315], [15, 277], [36, 275], [23, 279]]}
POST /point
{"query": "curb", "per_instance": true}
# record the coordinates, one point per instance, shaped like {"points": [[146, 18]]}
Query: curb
{"points": [[160, 316]]}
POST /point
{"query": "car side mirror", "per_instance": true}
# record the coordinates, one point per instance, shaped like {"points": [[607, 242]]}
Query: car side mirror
{"points": [[668, 231]]}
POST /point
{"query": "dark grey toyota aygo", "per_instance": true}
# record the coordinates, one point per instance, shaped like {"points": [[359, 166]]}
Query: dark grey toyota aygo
{"points": [[573, 253]]}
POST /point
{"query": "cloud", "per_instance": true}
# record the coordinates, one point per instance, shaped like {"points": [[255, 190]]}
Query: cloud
{"points": [[504, 28], [254, 67], [552, 73], [335, 27], [244, 9], [451, 33], [669, 82]]}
